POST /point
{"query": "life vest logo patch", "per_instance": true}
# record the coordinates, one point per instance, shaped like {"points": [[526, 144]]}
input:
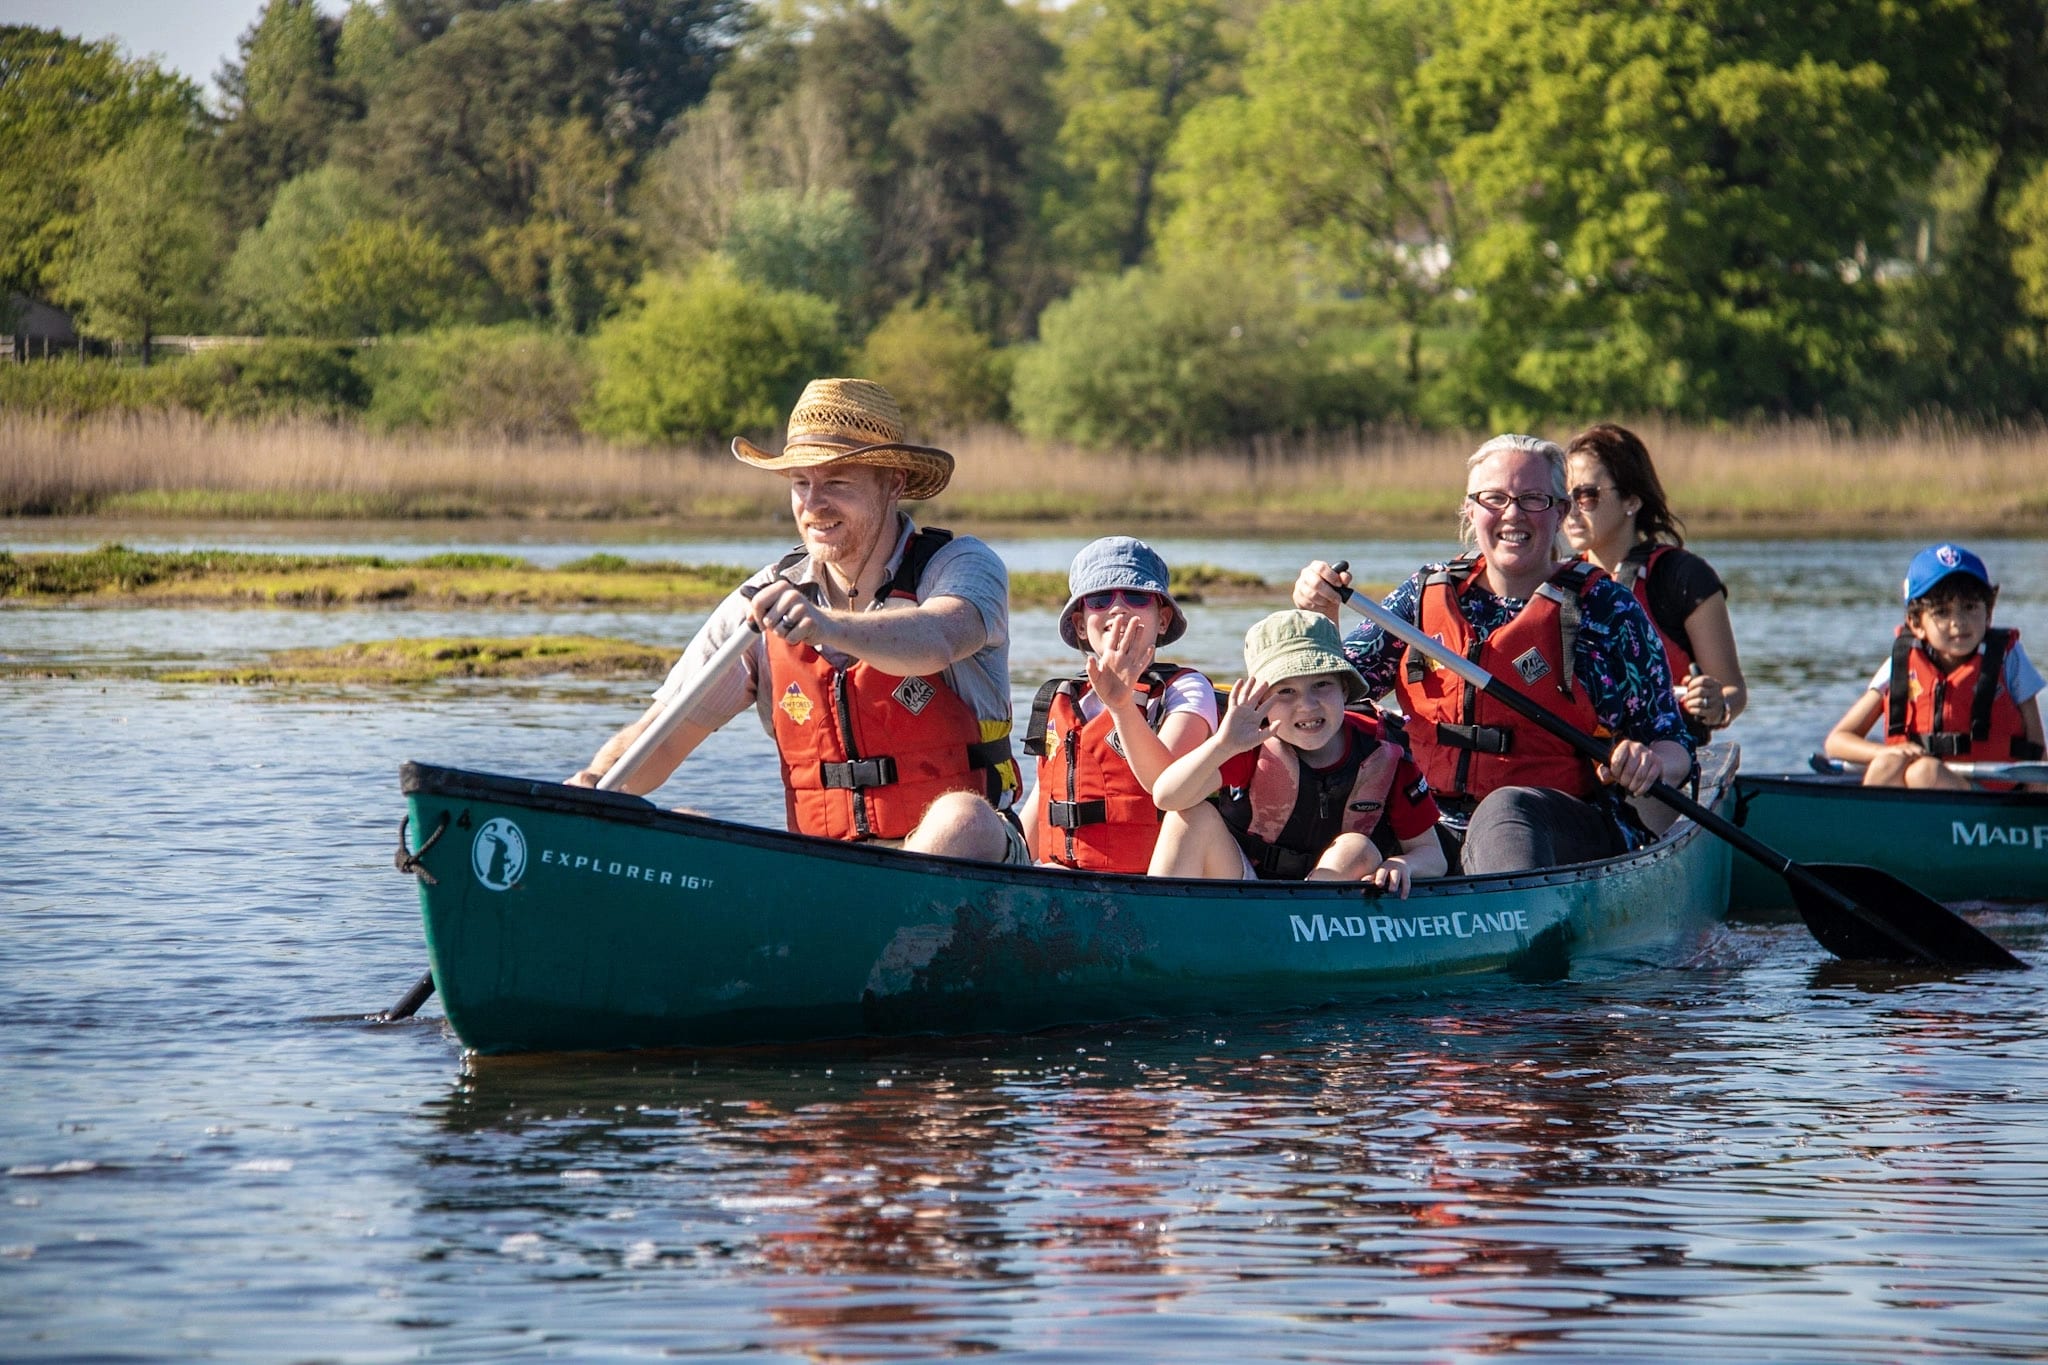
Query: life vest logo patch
{"points": [[795, 705], [915, 694], [1532, 665], [1116, 743], [1364, 805]]}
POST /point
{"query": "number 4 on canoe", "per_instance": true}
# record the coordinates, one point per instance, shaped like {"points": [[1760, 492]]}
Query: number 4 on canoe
{"points": [[1855, 912]]}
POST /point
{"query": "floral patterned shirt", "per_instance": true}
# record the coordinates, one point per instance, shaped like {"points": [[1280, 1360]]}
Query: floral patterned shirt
{"points": [[1618, 655]]}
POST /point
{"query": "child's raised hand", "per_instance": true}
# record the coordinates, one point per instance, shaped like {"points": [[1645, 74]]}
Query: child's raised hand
{"points": [[1244, 724], [1113, 676]]}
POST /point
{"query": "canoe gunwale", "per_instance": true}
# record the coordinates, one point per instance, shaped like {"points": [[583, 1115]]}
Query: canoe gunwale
{"points": [[1849, 787], [420, 779]]}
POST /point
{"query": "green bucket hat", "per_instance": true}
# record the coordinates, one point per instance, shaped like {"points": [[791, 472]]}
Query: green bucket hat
{"points": [[1296, 644]]}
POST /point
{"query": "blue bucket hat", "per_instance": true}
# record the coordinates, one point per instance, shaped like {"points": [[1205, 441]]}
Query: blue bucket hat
{"points": [[1937, 562], [1119, 562]]}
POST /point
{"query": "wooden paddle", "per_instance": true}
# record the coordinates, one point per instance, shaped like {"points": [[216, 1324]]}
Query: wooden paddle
{"points": [[1855, 912], [722, 662], [1986, 772]]}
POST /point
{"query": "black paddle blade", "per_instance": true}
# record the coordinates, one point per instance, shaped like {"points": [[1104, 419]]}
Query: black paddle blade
{"points": [[1909, 926]]}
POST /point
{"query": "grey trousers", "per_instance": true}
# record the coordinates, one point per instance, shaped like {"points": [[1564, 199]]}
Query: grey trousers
{"points": [[1518, 828]]}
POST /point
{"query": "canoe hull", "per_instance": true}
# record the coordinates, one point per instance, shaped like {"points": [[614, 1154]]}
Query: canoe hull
{"points": [[1953, 846], [561, 919]]}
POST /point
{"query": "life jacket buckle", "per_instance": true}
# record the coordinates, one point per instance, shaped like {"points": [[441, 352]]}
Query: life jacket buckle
{"points": [[1482, 739], [1946, 744], [1075, 814], [864, 772]]}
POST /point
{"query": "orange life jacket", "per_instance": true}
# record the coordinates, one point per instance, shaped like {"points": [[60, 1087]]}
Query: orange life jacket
{"points": [[1963, 713], [1466, 743], [1289, 814], [1093, 811], [864, 752], [1636, 568]]}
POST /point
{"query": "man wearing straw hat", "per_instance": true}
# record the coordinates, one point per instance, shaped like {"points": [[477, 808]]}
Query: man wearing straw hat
{"points": [[882, 663]]}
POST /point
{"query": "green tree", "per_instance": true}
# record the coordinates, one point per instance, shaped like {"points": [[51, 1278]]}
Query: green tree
{"points": [[812, 243], [380, 277], [1179, 355], [1133, 71], [65, 104], [942, 371], [267, 278], [1312, 163], [1676, 205], [705, 355], [283, 105], [575, 255], [145, 251]]}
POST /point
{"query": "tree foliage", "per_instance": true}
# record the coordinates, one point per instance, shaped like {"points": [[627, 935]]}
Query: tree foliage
{"points": [[146, 247], [64, 105], [704, 355]]}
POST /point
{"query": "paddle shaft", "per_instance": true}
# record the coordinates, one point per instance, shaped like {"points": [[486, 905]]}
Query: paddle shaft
{"points": [[2020, 771], [657, 733], [1592, 748]]}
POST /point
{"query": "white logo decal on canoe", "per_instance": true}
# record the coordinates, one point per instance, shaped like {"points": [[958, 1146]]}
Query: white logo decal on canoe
{"points": [[619, 867], [915, 694], [1388, 929], [498, 854], [1983, 834], [1532, 665]]}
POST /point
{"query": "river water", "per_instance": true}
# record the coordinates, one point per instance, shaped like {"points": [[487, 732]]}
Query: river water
{"points": [[1757, 1156]]}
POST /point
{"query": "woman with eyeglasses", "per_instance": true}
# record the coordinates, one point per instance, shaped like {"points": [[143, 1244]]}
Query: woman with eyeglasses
{"points": [[1620, 520], [1560, 632]]}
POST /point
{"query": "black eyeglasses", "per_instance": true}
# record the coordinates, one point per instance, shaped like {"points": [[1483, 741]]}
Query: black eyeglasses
{"points": [[1586, 496], [1109, 597], [1497, 500]]}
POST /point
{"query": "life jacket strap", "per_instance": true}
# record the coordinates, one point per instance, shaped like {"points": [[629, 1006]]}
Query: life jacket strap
{"points": [[863, 772], [1480, 739], [1076, 814], [1990, 676]]}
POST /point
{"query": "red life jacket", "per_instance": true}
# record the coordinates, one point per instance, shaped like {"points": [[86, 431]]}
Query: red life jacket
{"points": [[1963, 713], [1636, 568], [1090, 795], [1290, 814], [864, 752], [1466, 743]]}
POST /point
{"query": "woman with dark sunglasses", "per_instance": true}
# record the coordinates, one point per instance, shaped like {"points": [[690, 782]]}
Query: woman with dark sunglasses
{"points": [[1559, 631], [1103, 738], [1620, 520]]}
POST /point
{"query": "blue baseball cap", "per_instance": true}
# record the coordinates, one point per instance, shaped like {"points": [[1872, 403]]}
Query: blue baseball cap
{"points": [[1120, 562], [1937, 562]]}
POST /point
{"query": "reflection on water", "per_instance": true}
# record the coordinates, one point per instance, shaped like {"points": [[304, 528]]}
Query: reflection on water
{"points": [[1758, 1155]]}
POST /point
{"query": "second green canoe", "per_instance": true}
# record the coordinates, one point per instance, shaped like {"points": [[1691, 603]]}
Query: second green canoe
{"points": [[1953, 846]]}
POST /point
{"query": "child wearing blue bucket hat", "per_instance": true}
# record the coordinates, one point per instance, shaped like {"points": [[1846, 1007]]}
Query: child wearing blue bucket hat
{"points": [[1955, 688], [1103, 737]]}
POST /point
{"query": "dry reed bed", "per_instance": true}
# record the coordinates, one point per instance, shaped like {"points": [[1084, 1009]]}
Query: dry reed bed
{"points": [[1773, 478]]}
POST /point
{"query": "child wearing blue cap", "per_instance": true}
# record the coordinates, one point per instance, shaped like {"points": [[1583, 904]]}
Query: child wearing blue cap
{"points": [[1102, 738], [1955, 687]]}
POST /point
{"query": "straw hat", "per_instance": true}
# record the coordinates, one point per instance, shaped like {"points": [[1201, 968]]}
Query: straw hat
{"points": [[855, 421]]}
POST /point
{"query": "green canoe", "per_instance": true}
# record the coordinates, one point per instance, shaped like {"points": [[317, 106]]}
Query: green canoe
{"points": [[1953, 846], [564, 919]]}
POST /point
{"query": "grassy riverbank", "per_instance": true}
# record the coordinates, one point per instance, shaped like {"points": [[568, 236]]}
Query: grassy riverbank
{"points": [[114, 575], [1791, 479]]}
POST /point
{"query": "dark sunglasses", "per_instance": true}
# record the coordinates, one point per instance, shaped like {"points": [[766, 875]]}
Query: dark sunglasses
{"points": [[1497, 500], [1586, 497], [1109, 597]]}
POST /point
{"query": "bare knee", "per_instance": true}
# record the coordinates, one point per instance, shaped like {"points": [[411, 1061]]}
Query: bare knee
{"points": [[959, 825], [1196, 843], [1887, 769], [1926, 773]]}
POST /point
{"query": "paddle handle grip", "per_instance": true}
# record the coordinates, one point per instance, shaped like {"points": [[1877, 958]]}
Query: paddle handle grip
{"points": [[679, 706]]}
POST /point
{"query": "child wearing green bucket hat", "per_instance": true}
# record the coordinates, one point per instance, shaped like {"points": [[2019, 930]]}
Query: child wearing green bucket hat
{"points": [[1103, 737], [1309, 791]]}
